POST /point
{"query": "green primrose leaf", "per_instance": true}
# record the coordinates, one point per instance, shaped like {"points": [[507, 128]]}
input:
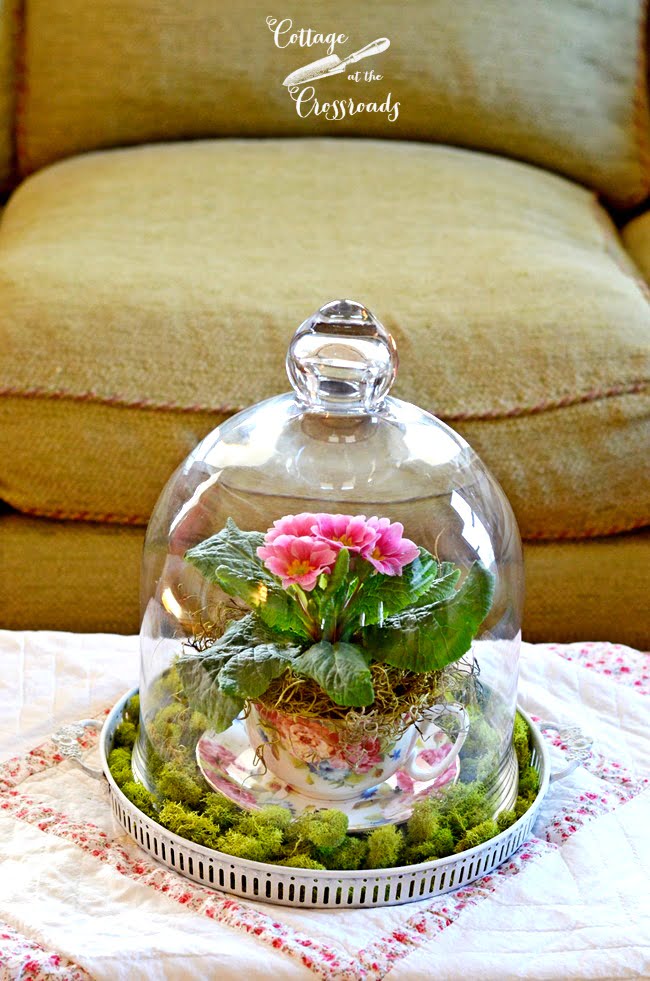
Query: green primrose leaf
{"points": [[201, 671], [199, 676], [229, 559], [333, 596], [238, 634], [280, 611], [341, 670], [249, 631], [250, 672], [442, 587], [337, 581], [382, 596], [428, 637], [223, 711]]}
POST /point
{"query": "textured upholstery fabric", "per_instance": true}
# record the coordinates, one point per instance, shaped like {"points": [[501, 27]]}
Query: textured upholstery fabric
{"points": [[9, 30], [81, 577], [88, 580], [561, 84], [145, 294], [597, 587]]}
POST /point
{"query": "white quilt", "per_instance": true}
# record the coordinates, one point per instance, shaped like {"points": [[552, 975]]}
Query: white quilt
{"points": [[78, 899]]}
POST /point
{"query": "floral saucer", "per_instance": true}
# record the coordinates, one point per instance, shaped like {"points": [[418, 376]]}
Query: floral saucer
{"points": [[227, 762]]}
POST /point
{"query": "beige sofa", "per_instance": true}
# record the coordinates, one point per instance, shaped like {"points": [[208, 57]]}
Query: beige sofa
{"points": [[174, 212]]}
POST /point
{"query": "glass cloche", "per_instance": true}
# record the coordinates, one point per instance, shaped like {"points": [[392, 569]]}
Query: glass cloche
{"points": [[331, 599]]}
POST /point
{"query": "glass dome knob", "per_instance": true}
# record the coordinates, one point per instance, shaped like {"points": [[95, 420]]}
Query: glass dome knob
{"points": [[341, 359]]}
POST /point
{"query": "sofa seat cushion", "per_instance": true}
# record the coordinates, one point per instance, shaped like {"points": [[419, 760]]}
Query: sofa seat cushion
{"points": [[146, 294]]}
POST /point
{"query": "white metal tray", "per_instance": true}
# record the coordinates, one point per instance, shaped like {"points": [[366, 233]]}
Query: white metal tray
{"points": [[307, 888]]}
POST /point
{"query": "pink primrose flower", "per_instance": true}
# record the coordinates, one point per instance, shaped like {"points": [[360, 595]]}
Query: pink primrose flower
{"points": [[390, 552], [299, 560], [344, 531], [298, 525]]}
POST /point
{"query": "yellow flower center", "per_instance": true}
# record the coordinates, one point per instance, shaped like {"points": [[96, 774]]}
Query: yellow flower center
{"points": [[346, 540], [299, 567]]}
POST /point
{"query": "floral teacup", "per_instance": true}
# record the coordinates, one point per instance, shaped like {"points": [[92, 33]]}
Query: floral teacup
{"points": [[313, 757]]}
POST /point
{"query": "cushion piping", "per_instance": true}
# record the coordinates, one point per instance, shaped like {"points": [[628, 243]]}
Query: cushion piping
{"points": [[60, 514], [121, 401]]}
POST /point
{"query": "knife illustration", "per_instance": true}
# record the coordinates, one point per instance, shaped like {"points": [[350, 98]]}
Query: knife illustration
{"points": [[332, 64]]}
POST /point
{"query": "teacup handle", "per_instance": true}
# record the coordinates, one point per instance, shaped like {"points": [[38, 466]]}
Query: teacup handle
{"points": [[418, 772]]}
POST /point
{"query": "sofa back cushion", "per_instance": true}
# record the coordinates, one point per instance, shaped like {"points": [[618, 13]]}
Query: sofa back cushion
{"points": [[560, 84]]}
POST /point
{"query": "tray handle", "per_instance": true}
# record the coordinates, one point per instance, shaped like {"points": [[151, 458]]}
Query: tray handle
{"points": [[66, 739], [578, 747]]}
